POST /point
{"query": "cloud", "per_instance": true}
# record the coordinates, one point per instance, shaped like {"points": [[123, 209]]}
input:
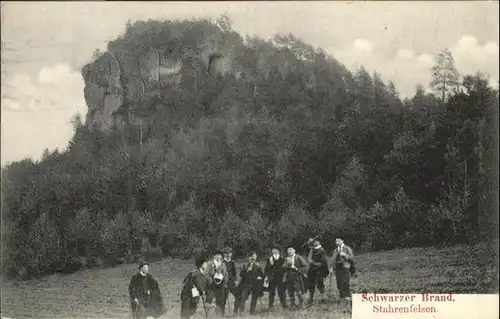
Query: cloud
{"points": [[408, 67], [363, 44], [472, 56], [426, 59], [405, 54], [493, 83], [55, 87], [37, 111]]}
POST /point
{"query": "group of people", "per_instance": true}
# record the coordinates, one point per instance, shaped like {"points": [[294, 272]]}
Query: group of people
{"points": [[215, 277]]}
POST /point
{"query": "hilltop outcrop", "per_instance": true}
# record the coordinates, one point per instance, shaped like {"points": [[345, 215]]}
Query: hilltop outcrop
{"points": [[153, 57], [137, 65]]}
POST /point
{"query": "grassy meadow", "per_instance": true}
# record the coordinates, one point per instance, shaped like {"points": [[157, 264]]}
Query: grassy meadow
{"points": [[103, 293]]}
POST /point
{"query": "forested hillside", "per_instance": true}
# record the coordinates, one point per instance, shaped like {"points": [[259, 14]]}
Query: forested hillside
{"points": [[283, 144]]}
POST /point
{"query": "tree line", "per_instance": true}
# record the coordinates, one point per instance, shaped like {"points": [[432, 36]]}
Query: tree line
{"points": [[263, 158]]}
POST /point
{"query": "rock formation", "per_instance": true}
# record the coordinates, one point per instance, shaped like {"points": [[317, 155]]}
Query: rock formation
{"points": [[121, 76], [152, 56]]}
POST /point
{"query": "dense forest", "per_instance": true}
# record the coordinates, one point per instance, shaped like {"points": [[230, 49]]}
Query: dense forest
{"points": [[260, 158]]}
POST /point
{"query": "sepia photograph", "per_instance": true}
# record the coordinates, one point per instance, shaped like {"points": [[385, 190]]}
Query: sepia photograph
{"points": [[249, 159]]}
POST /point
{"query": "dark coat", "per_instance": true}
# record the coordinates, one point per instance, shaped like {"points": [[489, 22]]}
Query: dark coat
{"points": [[197, 280], [341, 262], [276, 270], [318, 262], [147, 291], [250, 279], [231, 272]]}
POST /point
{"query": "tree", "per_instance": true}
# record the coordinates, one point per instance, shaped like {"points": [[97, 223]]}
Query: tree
{"points": [[380, 92], [445, 76], [364, 88], [96, 54], [224, 22]]}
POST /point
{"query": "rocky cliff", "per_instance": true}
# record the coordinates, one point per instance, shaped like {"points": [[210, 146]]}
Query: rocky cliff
{"points": [[130, 71], [153, 57]]}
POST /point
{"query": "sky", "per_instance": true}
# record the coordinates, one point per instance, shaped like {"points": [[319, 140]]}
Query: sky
{"points": [[45, 45]]}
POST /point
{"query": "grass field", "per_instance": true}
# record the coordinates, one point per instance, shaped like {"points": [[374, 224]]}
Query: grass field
{"points": [[103, 293]]}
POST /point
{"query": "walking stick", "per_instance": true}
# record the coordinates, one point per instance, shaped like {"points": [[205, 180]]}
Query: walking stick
{"points": [[227, 300], [134, 314], [204, 306], [136, 311], [330, 286]]}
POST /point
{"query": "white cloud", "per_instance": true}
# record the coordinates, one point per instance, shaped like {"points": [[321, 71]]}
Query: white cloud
{"points": [[491, 47], [407, 68], [426, 59], [10, 104], [36, 113], [363, 44], [467, 42], [493, 83], [55, 87], [472, 56], [405, 54], [55, 74]]}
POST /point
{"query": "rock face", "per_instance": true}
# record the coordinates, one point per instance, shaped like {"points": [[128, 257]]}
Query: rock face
{"points": [[116, 78]]}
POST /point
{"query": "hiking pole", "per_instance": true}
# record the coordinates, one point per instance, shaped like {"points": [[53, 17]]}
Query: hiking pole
{"points": [[227, 301], [330, 286], [204, 306], [136, 311]]}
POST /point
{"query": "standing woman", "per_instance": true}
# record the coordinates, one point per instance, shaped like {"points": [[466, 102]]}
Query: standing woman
{"points": [[342, 263]]}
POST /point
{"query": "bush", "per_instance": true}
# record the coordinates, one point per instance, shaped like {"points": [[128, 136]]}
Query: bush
{"points": [[230, 232], [114, 239], [42, 251], [186, 229], [85, 233], [295, 226], [153, 254]]}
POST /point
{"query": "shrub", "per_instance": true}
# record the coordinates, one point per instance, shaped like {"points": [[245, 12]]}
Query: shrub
{"points": [[153, 254], [43, 251], [295, 226], [114, 239], [85, 233]]}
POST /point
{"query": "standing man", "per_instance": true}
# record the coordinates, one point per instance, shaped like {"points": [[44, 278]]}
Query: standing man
{"points": [[342, 263], [194, 287], [231, 272], [217, 271], [295, 276], [250, 284], [275, 272], [318, 269], [145, 295]]}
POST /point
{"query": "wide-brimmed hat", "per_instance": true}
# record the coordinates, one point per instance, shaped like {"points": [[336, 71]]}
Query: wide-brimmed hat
{"points": [[311, 240], [227, 250]]}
